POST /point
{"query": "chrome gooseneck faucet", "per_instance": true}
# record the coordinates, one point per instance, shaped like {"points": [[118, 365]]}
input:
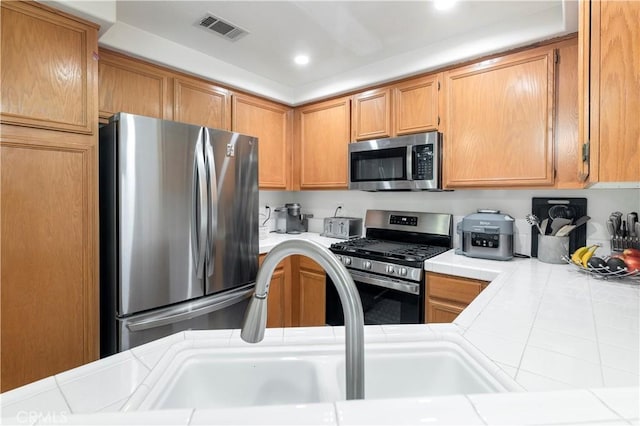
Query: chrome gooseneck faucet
{"points": [[255, 318]]}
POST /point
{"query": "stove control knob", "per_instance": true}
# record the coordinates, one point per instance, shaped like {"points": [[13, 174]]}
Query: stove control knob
{"points": [[403, 272], [347, 261], [366, 264], [390, 269], [339, 258]]}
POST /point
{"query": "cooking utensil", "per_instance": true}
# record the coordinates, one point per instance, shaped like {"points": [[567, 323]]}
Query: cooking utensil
{"points": [[559, 223], [565, 230], [581, 220], [562, 211], [545, 226], [637, 226], [534, 221]]}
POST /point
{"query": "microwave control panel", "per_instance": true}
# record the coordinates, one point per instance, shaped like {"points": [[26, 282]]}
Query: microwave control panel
{"points": [[423, 162]]}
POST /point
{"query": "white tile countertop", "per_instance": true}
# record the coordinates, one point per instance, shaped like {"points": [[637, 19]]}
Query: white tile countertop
{"points": [[570, 340]]}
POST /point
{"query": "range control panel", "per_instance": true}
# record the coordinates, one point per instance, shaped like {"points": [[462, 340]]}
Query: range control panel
{"points": [[403, 220], [480, 239]]}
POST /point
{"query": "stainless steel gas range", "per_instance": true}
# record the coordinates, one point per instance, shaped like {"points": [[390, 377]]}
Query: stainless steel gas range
{"points": [[387, 265]]}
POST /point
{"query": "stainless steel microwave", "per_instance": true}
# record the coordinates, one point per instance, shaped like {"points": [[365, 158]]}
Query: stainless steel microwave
{"points": [[404, 163]]}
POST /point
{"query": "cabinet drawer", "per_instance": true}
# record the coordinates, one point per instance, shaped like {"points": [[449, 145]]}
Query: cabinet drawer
{"points": [[462, 290]]}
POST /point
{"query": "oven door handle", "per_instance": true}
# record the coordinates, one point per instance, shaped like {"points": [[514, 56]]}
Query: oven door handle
{"points": [[412, 288]]}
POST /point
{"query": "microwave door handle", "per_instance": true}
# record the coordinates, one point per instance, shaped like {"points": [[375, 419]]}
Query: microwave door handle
{"points": [[410, 159]]}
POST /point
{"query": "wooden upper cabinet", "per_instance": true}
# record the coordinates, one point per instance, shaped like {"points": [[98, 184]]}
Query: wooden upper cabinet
{"points": [[371, 116], [271, 123], [133, 86], [610, 87], [47, 69], [321, 146], [415, 105], [565, 132], [499, 122], [201, 103]]}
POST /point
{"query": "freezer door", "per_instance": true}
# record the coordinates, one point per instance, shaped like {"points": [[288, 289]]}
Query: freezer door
{"points": [[162, 213], [220, 311], [232, 167]]}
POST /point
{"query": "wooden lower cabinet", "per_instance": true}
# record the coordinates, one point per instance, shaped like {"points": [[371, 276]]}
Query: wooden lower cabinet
{"points": [[49, 304], [279, 301], [311, 293], [447, 296], [296, 293]]}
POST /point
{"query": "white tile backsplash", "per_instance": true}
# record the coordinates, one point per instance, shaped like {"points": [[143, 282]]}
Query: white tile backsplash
{"points": [[517, 203]]}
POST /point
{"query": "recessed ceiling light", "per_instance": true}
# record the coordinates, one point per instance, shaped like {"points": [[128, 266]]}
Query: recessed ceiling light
{"points": [[301, 59], [444, 4]]}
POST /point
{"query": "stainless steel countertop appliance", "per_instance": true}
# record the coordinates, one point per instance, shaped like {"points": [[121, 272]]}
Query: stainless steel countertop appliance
{"points": [[387, 265], [178, 229], [342, 227], [290, 220], [487, 234]]}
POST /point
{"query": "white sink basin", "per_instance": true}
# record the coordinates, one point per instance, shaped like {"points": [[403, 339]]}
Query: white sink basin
{"points": [[250, 376]]}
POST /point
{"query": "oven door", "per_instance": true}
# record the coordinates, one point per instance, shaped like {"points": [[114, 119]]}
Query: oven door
{"points": [[384, 300]]}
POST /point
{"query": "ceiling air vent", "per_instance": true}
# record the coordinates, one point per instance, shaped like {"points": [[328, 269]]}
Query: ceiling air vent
{"points": [[221, 27]]}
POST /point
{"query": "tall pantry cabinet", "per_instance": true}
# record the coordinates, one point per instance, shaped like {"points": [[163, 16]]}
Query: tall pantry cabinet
{"points": [[48, 168]]}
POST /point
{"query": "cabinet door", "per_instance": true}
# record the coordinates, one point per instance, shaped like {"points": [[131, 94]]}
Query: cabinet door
{"points": [[279, 301], [448, 295], [416, 105], [371, 115], [133, 86], [442, 311], [271, 123], [47, 69], [276, 302], [613, 108], [499, 122], [312, 288], [49, 303], [201, 103], [321, 148]]}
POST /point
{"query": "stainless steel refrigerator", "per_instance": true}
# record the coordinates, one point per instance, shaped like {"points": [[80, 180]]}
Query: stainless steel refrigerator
{"points": [[178, 229]]}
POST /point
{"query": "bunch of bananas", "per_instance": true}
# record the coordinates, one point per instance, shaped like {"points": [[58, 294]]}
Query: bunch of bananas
{"points": [[582, 255]]}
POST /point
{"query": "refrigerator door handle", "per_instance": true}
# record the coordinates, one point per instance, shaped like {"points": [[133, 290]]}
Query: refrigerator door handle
{"points": [[199, 217], [213, 203], [191, 310]]}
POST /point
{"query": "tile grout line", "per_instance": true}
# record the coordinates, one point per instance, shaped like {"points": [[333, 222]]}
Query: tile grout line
{"points": [[606, 405], [335, 413], [193, 412], [64, 397], [475, 409], [595, 329], [526, 344]]}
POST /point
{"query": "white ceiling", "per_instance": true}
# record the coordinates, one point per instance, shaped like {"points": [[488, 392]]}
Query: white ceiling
{"points": [[352, 44]]}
